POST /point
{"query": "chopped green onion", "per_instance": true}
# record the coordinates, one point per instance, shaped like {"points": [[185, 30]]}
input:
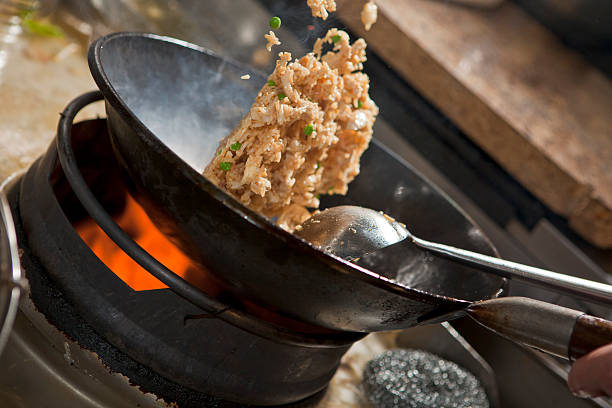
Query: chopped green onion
{"points": [[271, 83], [219, 152], [275, 23], [236, 146], [318, 196], [225, 166], [336, 38], [359, 104], [281, 96], [40, 28], [308, 130], [318, 166]]}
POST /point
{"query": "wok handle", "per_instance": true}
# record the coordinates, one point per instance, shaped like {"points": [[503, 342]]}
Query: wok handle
{"points": [[590, 333], [554, 329]]}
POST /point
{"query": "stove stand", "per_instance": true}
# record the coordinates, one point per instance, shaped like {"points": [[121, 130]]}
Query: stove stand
{"points": [[125, 347], [11, 283]]}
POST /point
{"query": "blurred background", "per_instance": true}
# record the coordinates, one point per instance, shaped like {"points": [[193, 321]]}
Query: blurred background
{"points": [[504, 104]]}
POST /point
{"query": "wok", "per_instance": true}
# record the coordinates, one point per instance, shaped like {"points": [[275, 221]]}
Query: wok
{"points": [[169, 103]]}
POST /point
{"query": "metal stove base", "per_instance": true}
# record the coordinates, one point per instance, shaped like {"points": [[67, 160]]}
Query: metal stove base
{"points": [[55, 359]]}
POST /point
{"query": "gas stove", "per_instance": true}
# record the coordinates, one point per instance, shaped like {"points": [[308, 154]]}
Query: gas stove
{"points": [[151, 335], [89, 333], [55, 349], [96, 329]]}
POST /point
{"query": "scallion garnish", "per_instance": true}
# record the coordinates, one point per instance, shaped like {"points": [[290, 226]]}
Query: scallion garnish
{"points": [[281, 96], [359, 104], [336, 38], [236, 146], [219, 152], [275, 23], [308, 130], [271, 83], [225, 166], [318, 165]]}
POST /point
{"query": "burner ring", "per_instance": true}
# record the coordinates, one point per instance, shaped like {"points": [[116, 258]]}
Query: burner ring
{"points": [[11, 281]]}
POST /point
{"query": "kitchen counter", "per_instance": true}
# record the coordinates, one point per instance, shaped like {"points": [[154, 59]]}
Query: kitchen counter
{"points": [[38, 77]]}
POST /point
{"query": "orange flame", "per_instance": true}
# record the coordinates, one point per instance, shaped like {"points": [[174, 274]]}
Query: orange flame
{"points": [[134, 221], [139, 226]]}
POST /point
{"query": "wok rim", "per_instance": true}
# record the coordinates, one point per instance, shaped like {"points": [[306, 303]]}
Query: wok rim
{"points": [[339, 265]]}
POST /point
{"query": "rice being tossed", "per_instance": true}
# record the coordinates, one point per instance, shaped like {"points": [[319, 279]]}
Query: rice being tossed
{"points": [[304, 134], [272, 40], [321, 8], [369, 15]]}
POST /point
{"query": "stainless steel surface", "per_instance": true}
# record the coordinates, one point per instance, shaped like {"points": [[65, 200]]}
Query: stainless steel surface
{"points": [[349, 231], [537, 324], [63, 373], [66, 375], [10, 272], [369, 230]]}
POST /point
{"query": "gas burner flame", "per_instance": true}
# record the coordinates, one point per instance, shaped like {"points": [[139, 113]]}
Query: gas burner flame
{"points": [[139, 226]]}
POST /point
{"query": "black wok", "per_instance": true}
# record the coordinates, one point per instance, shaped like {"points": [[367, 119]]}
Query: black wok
{"points": [[168, 105]]}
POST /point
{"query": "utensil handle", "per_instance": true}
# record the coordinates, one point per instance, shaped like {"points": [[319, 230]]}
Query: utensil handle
{"points": [[584, 288], [554, 329], [589, 334]]}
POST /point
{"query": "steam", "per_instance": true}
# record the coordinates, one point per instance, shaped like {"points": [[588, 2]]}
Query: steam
{"points": [[188, 100]]}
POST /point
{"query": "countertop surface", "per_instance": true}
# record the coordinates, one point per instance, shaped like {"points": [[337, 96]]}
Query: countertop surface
{"points": [[38, 77]]}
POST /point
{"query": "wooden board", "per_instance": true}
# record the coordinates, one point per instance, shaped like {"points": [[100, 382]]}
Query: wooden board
{"points": [[535, 106]]}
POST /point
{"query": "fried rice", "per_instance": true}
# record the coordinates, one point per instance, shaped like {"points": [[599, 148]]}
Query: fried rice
{"points": [[369, 15], [322, 8], [304, 134], [272, 40]]}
